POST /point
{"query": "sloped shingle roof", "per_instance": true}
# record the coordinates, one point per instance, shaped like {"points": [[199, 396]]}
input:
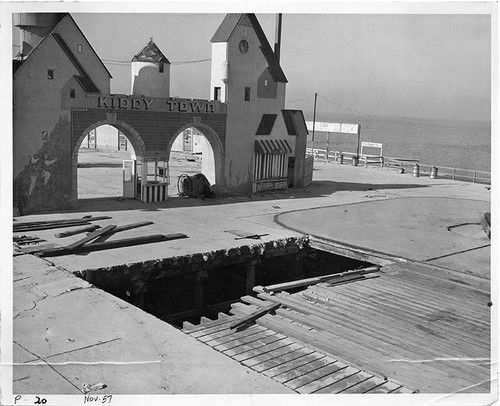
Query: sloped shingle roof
{"points": [[226, 29], [150, 53]]}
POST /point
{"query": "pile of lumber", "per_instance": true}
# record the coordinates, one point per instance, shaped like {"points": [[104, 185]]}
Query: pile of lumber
{"points": [[96, 239], [23, 226]]}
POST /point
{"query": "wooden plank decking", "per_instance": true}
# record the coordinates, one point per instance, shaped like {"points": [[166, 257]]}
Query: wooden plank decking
{"points": [[414, 328]]}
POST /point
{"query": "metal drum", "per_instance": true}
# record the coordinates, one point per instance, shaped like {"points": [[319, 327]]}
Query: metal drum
{"points": [[416, 170], [434, 173]]}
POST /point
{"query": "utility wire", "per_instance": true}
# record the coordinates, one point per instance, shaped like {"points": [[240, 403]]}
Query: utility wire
{"points": [[297, 100], [119, 62]]}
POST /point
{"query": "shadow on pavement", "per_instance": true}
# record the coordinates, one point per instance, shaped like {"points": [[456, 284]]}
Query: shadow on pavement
{"points": [[316, 189]]}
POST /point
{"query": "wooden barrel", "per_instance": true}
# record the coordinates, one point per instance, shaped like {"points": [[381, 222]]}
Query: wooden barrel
{"points": [[434, 173], [416, 170]]}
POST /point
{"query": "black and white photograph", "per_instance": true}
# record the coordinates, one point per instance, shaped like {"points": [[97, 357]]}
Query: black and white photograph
{"points": [[249, 203]]}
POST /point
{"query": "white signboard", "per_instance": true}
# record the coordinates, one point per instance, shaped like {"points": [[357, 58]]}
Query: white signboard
{"points": [[333, 127], [371, 144]]}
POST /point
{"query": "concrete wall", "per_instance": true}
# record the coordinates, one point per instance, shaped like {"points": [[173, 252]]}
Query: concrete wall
{"points": [[147, 80]]}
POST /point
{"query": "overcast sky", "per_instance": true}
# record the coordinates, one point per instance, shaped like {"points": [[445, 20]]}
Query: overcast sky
{"points": [[407, 65]]}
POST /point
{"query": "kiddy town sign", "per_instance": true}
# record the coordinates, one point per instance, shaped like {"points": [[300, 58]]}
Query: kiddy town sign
{"points": [[171, 104]]}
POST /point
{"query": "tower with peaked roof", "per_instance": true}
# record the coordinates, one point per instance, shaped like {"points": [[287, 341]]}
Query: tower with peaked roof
{"points": [[262, 137], [150, 72]]}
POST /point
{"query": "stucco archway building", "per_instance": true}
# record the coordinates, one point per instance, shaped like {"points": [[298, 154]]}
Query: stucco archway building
{"points": [[62, 92]]}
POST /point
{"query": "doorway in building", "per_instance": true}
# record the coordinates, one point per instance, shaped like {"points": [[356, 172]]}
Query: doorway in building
{"points": [[106, 165], [190, 154]]}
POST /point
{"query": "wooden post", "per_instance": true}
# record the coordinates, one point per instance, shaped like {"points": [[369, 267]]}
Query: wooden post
{"points": [[474, 179], [314, 123], [199, 282], [359, 138], [250, 277], [327, 146], [139, 289], [453, 176]]}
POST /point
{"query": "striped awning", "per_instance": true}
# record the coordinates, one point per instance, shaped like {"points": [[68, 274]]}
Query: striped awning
{"points": [[272, 147]]}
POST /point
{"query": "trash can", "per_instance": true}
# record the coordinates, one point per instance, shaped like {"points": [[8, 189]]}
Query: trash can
{"points": [[355, 160], [434, 173]]}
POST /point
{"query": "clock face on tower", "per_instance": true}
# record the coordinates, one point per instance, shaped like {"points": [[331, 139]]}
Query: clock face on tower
{"points": [[243, 46]]}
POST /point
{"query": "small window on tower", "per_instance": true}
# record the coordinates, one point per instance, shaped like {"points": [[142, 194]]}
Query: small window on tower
{"points": [[244, 33], [72, 93], [265, 82], [247, 94], [79, 48], [50, 74], [161, 67], [217, 93]]}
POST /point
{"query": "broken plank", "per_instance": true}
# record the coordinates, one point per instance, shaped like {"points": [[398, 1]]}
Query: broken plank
{"points": [[243, 340], [30, 250], [123, 228], [228, 335], [337, 382], [126, 242], [90, 228], [254, 316], [41, 222], [252, 362], [315, 375], [385, 388], [43, 225], [51, 226], [304, 369], [365, 386], [90, 237], [283, 359], [331, 278], [255, 348], [293, 364]]}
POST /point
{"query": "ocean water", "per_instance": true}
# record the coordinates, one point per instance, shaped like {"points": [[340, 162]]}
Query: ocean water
{"points": [[445, 143]]}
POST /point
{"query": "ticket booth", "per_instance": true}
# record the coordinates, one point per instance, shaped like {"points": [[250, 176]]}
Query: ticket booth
{"points": [[154, 179]]}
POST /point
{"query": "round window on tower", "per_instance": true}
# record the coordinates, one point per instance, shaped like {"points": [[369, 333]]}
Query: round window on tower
{"points": [[243, 46]]}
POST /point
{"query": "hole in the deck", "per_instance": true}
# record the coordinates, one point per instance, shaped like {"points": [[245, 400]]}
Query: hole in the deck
{"points": [[192, 292]]}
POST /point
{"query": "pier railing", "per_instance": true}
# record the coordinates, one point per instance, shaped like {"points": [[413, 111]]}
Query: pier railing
{"points": [[404, 164]]}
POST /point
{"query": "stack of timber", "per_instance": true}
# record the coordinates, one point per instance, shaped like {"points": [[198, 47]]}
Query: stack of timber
{"points": [[268, 344], [96, 240], [22, 226]]}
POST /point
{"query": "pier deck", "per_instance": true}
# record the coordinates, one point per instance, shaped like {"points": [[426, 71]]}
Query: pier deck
{"points": [[205, 222]]}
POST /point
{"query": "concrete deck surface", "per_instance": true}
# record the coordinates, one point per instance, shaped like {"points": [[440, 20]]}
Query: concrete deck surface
{"points": [[377, 200]]}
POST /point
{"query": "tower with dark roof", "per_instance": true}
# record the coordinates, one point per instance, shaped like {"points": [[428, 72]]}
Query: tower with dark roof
{"points": [[150, 72]]}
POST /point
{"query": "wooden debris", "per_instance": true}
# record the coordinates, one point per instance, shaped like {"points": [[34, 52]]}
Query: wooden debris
{"points": [[122, 228], [126, 242], [240, 235], [46, 225], [90, 237], [254, 316], [77, 231], [331, 278]]}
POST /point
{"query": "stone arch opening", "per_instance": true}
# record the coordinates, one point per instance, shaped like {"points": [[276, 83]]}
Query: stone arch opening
{"points": [[212, 153], [136, 146]]}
